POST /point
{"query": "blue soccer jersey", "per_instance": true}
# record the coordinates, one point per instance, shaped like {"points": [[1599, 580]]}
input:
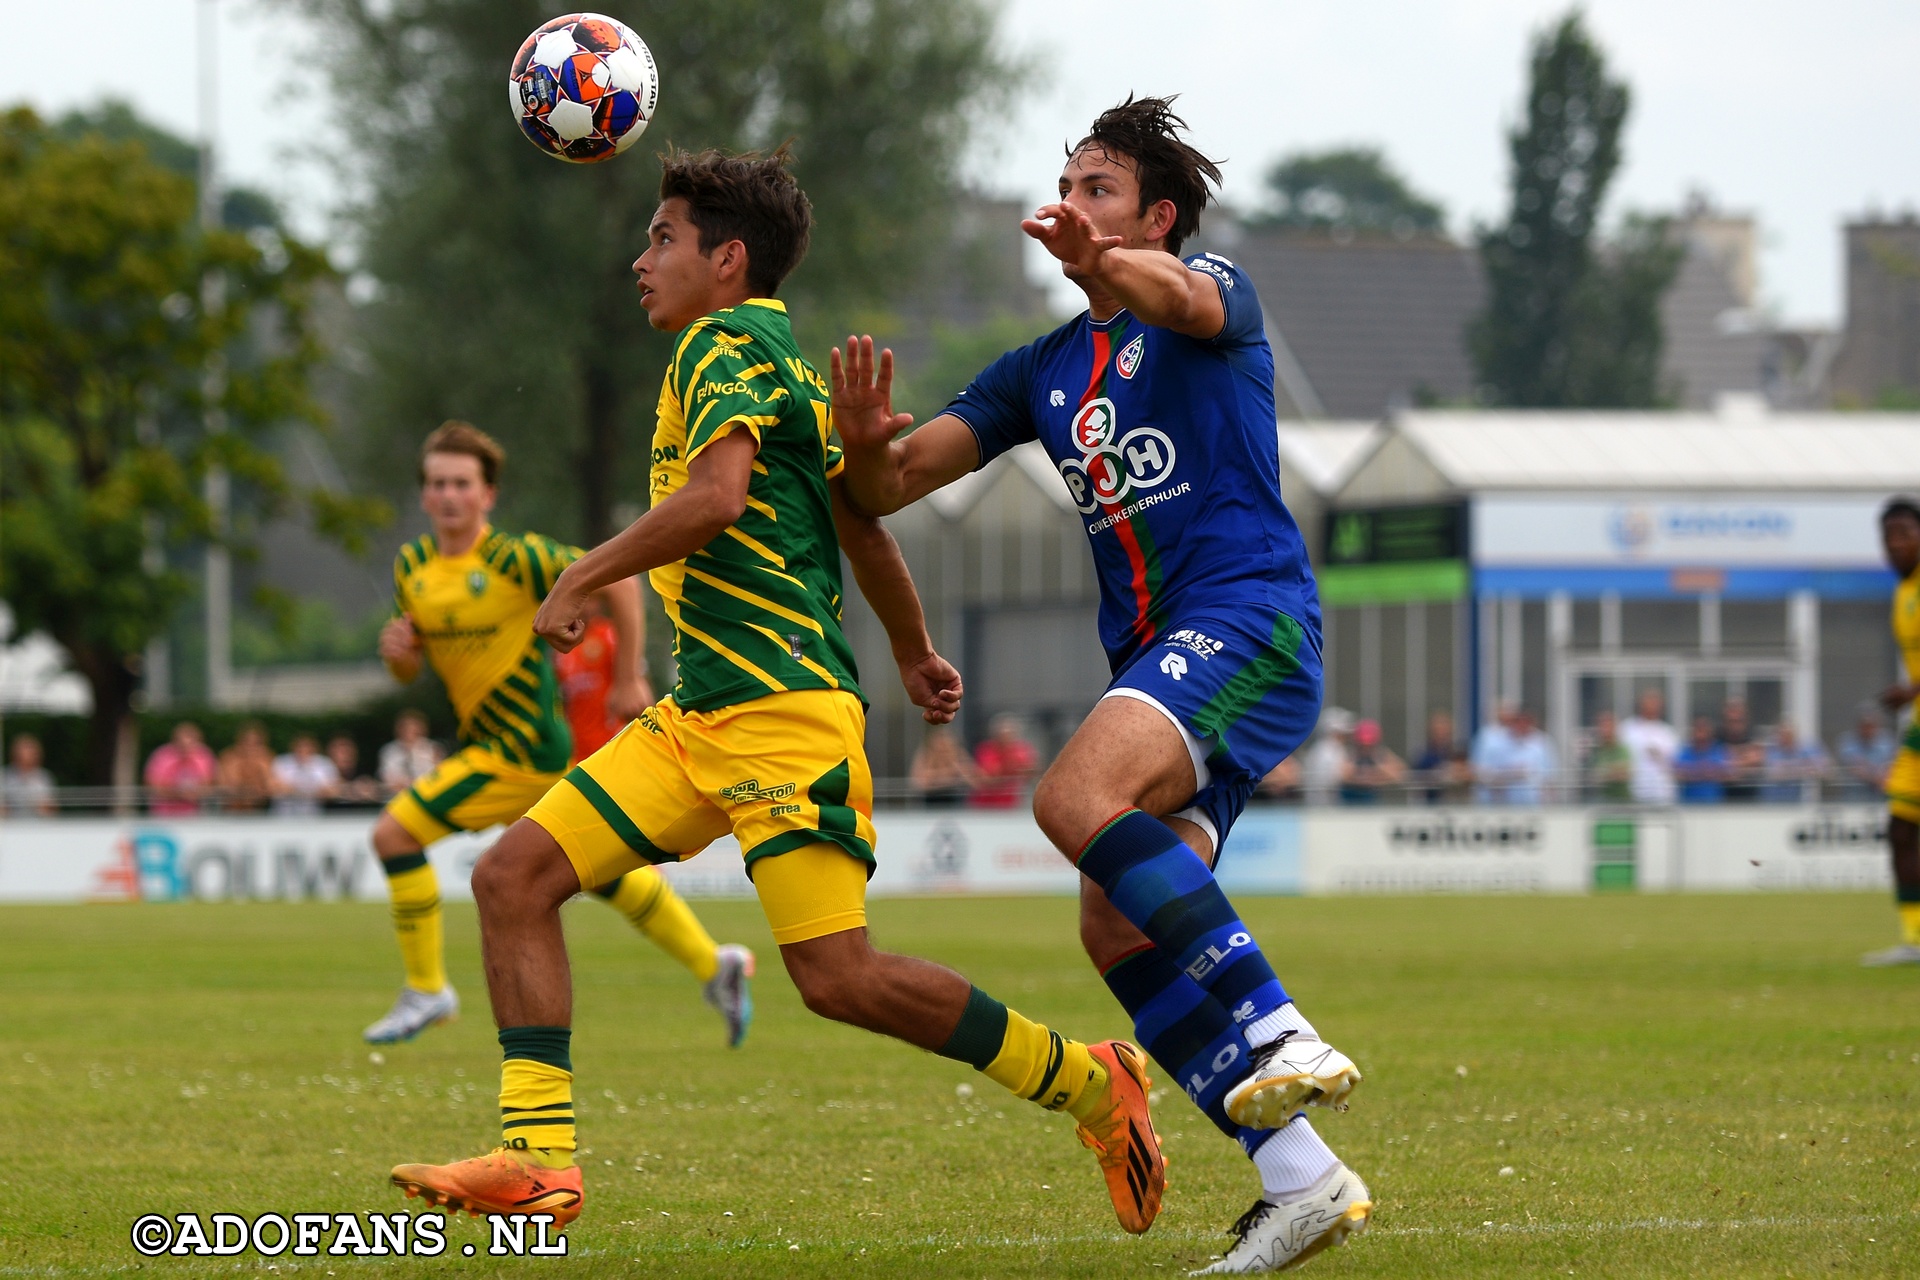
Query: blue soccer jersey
{"points": [[1168, 446]]}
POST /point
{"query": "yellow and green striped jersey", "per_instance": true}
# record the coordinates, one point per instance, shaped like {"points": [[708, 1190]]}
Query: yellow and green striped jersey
{"points": [[1906, 623], [757, 610], [474, 615]]}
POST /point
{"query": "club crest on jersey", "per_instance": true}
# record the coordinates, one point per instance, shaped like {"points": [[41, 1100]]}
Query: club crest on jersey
{"points": [[1127, 363], [477, 583], [1112, 465]]}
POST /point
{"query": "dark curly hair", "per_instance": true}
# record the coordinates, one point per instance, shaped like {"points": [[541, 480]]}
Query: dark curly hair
{"points": [[1900, 507], [1145, 132], [750, 198]]}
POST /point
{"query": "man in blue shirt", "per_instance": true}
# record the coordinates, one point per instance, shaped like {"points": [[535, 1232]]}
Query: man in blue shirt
{"points": [[1156, 405], [1702, 766]]}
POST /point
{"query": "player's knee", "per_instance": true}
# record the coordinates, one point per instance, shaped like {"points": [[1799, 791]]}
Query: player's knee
{"points": [[829, 974], [1056, 809], [832, 996], [391, 840], [524, 869]]}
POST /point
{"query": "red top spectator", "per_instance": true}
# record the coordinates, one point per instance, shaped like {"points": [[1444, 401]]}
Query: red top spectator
{"points": [[1007, 762], [586, 677], [180, 771]]}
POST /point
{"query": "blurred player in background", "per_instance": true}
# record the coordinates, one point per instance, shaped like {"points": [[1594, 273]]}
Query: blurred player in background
{"points": [[588, 675], [464, 602], [1157, 407], [764, 734], [1900, 535]]}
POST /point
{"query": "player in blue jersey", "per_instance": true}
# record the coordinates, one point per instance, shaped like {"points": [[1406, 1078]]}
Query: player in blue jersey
{"points": [[1157, 406]]}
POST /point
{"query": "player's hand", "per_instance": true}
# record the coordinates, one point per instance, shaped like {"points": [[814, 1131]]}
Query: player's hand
{"points": [[1898, 696], [863, 395], [628, 698], [398, 642], [934, 686], [1069, 235], [562, 619]]}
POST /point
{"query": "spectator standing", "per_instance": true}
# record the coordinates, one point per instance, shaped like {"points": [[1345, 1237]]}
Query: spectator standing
{"points": [[1536, 762], [26, 787], [411, 755], [1495, 757], [246, 769], [943, 776], [180, 772], [1793, 769], [1865, 753], [1375, 767], [357, 789], [1442, 764], [1609, 764], [1007, 763], [1746, 752], [1653, 745], [1328, 763], [1700, 767], [1282, 782], [303, 778]]}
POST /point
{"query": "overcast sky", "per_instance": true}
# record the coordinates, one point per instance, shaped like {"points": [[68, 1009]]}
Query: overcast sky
{"points": [[1802, 114]]}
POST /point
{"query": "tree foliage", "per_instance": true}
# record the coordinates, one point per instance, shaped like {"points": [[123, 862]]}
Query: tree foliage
{"points": [[505, 294], [1570, 324], [1347, 189], [104, 340]]}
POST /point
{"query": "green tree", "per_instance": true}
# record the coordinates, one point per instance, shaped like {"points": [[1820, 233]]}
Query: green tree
{"points": [[1347, 189], [1569, 324], [504, 293], [104, 341]]}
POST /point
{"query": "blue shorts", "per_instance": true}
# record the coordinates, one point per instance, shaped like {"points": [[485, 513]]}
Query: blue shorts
{"points": [[1244, 689]]}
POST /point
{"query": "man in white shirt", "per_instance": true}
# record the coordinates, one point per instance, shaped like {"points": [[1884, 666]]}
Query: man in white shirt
{"points": [[303, 778], [1652, 743]]}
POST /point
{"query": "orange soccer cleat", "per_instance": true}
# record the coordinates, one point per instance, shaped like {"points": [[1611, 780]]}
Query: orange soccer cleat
{"points": [[1123, 1137], [499, 1182]]}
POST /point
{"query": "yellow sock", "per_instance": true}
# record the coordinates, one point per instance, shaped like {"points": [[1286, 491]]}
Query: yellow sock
{"points": [[414, 892], [536, 1102], [645, 898], [1045, 1067], [1910, 923]]}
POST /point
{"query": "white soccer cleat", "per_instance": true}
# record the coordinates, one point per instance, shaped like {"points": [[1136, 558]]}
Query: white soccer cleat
{"points": [[413, 1013], [727, 991], [1905, 953], [1275, 1236], [1292, 1072]]}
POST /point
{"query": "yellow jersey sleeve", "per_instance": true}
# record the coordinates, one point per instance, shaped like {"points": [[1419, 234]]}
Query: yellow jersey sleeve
{"points": [[531, 561]]}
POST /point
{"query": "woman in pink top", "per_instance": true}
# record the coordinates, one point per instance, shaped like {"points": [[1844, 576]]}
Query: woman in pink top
{"points": [[180, 771]]}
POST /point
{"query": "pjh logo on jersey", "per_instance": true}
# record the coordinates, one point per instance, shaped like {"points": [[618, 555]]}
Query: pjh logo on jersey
{"points": [[1112, 465], [1128, 361]]}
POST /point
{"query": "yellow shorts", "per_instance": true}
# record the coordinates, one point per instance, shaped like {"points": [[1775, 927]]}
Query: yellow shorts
{"points": [[1903, 781], [471, 790], [785, 774]]}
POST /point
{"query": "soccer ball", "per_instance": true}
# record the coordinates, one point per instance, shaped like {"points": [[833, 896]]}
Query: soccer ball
{"points": [[583, 87]]}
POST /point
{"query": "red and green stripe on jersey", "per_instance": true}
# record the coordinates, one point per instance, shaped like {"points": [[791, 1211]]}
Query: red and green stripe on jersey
{"points": [[1136, 538]]}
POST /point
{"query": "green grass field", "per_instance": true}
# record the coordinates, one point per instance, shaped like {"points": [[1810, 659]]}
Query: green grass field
{"points": [[1680, 1086]]}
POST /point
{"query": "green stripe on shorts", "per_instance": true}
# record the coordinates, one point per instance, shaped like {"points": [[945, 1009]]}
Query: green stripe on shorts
{"points": [[616, 817]]}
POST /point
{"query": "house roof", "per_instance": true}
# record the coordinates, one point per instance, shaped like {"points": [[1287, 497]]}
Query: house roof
{"points": [[1368, 326], [1740, 448], [1325, 454]]}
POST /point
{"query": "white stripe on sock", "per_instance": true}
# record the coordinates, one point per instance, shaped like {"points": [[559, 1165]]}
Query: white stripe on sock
{"points": [[1285, 1018], [1292, 1160]]}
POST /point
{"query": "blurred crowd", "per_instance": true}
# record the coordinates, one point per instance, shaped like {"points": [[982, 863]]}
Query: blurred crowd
{"points": [[185, 775], [1643, 759]]}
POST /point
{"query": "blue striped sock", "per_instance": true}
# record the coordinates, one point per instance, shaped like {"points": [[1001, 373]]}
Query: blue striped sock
{"points": [[1188, 1033], [1166, 891]]}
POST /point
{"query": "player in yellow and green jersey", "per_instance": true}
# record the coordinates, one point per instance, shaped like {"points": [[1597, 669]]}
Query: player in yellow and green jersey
{"points": [[763, 737], [464, 601], [1900, 535]]}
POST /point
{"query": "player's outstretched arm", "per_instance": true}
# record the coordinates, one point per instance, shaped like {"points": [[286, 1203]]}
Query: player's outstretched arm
{"points": [[1155, 285], [881, 572], [631, 693], [883, 474], [714, 496]]}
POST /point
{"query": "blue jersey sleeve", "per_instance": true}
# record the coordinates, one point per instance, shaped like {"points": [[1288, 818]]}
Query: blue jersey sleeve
{"points": [[1244, 322], [995, 405]]}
